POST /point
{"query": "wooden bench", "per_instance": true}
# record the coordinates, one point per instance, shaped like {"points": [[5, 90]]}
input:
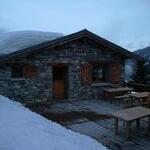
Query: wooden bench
{"points": [[121, 97]]}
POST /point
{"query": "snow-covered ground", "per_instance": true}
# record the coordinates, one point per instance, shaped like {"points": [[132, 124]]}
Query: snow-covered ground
{"points": [[21, 129]]}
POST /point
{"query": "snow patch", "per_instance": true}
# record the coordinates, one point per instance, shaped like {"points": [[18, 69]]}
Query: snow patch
{"points": [[21, 129]]}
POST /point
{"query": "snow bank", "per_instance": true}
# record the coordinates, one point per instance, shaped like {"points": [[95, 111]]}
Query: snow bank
{"points": [[21, 129]]}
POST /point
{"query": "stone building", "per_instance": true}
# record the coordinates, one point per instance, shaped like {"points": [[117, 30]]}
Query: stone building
{"points": [[73, 67]]}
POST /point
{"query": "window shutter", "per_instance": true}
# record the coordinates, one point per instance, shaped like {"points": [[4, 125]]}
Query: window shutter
{"points": [[30, 71], [86, 74], [115, 72]]}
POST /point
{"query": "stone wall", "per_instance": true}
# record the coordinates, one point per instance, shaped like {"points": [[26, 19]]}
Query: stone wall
{"points": [[40, 88]]}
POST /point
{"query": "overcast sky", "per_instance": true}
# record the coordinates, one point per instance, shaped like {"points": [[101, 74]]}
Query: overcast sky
{"points": [[125, 22]]}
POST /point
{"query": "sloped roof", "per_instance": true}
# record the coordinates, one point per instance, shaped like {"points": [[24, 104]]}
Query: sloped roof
{"points": [[69, 38]]}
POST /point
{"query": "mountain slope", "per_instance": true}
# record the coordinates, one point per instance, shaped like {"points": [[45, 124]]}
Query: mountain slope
{"points": [[145, 53], [16, 40]]}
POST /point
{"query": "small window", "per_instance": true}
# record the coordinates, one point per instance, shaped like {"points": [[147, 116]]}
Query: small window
{"points": [[98, 72], [16, 71]]}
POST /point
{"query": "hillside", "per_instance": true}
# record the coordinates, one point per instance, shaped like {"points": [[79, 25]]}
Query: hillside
{"points": [[16, 40]]}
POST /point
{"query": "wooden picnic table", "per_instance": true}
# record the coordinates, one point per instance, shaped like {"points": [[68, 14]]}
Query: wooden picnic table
{"points": [[112, 92], [141, 98], [129, 115], [140, 95]]}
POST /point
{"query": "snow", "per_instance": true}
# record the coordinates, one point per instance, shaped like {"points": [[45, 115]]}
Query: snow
{"points": [[21, 129]]}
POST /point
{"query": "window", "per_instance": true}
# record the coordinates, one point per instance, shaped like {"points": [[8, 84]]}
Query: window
{"points": [[27, 71], [17, 71], [93, 72], [98, 72]]}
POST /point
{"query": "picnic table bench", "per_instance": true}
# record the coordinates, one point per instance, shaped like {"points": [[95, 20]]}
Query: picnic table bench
{"points": [[129, 115], [110, 93]]}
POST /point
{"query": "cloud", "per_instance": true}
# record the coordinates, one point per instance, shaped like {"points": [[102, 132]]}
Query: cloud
{"points": [[2, 30]]}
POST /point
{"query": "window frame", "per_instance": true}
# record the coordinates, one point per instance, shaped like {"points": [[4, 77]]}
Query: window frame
{"points": [[98, 65]]}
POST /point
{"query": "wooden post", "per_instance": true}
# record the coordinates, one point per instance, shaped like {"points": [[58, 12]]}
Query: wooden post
{"points": [[116, 126], [127, 130], [138, 123]]}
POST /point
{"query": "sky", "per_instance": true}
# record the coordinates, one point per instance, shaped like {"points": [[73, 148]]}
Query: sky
{"points": [[124, 22]]}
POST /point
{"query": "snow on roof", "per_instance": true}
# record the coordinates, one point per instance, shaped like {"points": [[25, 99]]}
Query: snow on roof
{"points": [[21, 129]]}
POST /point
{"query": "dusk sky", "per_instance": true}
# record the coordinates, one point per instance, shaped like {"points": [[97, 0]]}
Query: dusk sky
{"points": [[125, 22]]}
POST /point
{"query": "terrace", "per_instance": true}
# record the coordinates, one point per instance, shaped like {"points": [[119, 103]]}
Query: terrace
{"points": [[90, 117]]}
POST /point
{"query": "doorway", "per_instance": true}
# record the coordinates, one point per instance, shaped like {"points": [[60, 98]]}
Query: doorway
{"points": [[60, 82]]}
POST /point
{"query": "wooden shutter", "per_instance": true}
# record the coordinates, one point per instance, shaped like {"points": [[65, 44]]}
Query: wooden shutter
{"points": [[30, 71], [115, 72], [86, 74]]}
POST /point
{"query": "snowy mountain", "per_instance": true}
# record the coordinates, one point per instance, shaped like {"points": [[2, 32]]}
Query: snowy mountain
{"points": [[16, 40], [145, 53]]}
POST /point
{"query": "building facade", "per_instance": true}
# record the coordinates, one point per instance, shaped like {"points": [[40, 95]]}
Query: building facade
{"points": [[77, 66]]}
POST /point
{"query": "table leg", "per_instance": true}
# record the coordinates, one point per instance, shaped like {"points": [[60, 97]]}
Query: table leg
{"points": [[139, 101], [131, 102], [148, 130], [138, 123], [127, 130], [116, 126]]}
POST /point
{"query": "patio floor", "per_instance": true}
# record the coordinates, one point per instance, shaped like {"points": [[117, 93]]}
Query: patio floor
{"points": [[101, 129]]}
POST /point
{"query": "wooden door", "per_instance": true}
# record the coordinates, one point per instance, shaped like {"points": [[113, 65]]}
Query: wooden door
{"points": [[58, 89], [60, 82]]}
